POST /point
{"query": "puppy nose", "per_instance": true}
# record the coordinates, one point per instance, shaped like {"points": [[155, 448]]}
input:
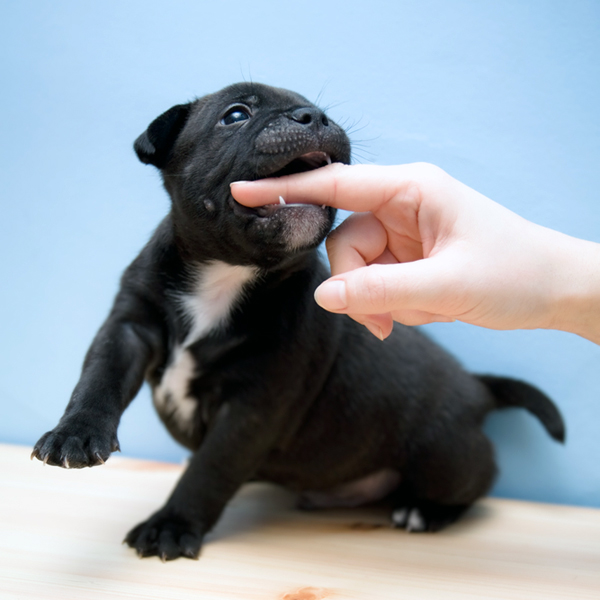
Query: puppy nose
{"points": [[307, 116]]}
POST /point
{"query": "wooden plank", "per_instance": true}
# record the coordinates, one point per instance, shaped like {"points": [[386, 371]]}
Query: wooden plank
{"points": [[60, 534]]}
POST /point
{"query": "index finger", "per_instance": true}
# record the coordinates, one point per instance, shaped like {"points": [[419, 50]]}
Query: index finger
{"points": [[350, 187]]}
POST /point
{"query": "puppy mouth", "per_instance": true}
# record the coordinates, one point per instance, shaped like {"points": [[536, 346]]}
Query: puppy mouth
{"points": [[301, 164], [306, 162]]}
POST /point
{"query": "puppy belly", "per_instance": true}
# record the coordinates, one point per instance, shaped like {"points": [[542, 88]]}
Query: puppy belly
{"points": [[171, 397], [371, 488]]}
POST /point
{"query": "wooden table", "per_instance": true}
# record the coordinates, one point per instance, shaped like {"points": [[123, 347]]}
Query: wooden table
{"points": [[60, 534]]}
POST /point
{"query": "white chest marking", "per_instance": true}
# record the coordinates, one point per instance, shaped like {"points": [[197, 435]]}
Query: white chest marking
{"points": [[218, 287], [171, 397]]}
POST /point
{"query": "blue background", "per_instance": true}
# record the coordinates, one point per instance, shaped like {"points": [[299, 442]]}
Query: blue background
{"points": [[503, 95]]}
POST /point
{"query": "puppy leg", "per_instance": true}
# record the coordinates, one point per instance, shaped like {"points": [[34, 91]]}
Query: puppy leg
{"points": [[233, 449], [443, 483], [112, 374]]}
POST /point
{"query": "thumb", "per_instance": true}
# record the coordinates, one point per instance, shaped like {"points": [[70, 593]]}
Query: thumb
{"points": [[421, 285]]}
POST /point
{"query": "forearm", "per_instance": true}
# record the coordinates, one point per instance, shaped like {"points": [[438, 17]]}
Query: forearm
{"points": [[113, 370], [112, 374]]}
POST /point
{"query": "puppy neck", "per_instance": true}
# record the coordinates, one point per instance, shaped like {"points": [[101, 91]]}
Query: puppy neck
{"points": [[217, 288]]}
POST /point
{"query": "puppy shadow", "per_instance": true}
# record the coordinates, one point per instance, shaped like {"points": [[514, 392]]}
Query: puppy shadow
{"points": [[262, 507]]}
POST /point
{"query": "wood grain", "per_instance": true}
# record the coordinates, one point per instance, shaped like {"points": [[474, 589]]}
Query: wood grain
{"points": [[60, 534]]}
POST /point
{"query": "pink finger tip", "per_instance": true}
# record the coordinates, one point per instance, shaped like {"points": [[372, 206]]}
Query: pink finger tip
{"points": [[331, 295]]}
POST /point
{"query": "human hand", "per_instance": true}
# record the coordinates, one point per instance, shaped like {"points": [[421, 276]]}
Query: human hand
{"points": [[425, 247]]}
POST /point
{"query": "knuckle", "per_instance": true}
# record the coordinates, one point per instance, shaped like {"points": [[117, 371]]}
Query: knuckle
{"points": [[374, 288], [330, 246], [336, 236], [332, 238], [424, 178], [413, 318], [336, 171]]}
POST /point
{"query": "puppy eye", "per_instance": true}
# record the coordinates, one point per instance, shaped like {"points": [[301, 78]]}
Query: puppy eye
{"points": [[235, 114]]}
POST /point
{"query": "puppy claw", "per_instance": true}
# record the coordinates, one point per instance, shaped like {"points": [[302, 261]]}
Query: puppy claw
{"points": [[415, 521], [66, 463], [281, 200], [33, 454], [399, 517], [99, 458]]}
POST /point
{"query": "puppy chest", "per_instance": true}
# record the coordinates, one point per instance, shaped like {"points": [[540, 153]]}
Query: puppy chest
{"points": [[172, 397], [216, 291]]}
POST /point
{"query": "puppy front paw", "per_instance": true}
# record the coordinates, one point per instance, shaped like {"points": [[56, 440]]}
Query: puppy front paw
{"points": [[167, 536], [75, 445]]}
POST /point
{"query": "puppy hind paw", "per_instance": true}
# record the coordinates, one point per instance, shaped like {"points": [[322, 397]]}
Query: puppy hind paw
{"points": [[167, 537], [399, 516], [426, 516], [408, 518]]}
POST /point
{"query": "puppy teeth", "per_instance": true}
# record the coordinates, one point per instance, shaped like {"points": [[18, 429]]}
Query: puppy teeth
{"points": [[281, 200], [328, 159]]}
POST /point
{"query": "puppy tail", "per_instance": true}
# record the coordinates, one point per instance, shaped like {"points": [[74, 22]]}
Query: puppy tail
{"points": [[512, 392]]}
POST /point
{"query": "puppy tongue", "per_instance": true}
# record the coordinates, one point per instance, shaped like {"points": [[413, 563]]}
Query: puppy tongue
{"points": [[316, 159], [310, 161]]}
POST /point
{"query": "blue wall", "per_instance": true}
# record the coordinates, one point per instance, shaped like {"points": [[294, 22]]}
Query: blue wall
{"points": [[505, 96]]}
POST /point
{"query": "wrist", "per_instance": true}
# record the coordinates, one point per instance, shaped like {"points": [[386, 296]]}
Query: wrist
{"points": [[575, 305]]}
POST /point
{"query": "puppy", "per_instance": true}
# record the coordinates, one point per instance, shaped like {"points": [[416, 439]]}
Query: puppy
{"points": [[217, 314]]}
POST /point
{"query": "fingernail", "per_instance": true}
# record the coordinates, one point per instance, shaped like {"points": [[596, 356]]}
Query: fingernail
{"points": [[241, 181], [375, 330], [331, 295]]}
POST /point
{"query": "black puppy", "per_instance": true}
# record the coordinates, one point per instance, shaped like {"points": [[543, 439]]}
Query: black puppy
{"points": [[217, 313]]}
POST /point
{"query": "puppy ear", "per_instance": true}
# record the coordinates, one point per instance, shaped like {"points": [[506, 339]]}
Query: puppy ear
{"points": [[154, 145]]}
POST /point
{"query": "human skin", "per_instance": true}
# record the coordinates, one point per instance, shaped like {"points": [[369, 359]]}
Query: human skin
{"points": [[424, 247]]}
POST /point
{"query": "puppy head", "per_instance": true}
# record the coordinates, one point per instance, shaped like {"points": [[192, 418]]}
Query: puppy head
{"points": [[246, 131]]}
